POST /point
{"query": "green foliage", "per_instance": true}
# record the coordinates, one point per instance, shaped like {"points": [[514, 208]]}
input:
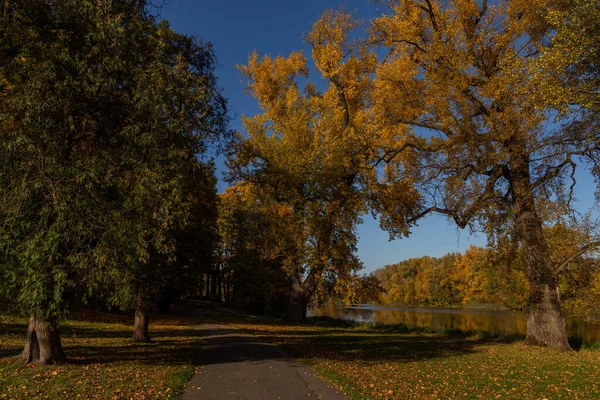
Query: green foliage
{"points": [[62, 66], [103, 112]]}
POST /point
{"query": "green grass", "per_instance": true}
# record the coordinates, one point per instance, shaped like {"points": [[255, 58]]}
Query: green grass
{"points": [[104, 363], [364, 361], [399, 362]]}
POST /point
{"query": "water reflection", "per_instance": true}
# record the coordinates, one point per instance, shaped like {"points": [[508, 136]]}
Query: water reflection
{"points": [[505, 322]]}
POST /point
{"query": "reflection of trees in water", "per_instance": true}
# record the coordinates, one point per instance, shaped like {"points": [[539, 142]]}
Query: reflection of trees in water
{"points": [[480, 321], [349, 314], [465, 320], [579, 328]]}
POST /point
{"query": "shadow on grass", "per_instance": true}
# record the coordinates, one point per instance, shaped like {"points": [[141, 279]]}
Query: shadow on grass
{"points": [[10, 352], [215, 339], [16, 333], [373, 345], [337, 339], [103, 340]]}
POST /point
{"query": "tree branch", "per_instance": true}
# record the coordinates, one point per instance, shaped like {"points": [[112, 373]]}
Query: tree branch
{"points": [[390, 153], [425, 124], [342, 96], [414, 44], [583, 249], [554, 171], [495, 173]]}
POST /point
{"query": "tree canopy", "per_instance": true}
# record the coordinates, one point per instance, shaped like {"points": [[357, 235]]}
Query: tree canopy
{"points": [[103, 112], [305, 150], [453, 102], [463, 108]]}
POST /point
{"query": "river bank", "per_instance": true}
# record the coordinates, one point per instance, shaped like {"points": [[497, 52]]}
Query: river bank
{"points": [[489, 321], [400, 362]]}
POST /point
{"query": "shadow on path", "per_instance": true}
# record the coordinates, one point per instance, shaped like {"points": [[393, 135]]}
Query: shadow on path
{"points": [[236, 365]]}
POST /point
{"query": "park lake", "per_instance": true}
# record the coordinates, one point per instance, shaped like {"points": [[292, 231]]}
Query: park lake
{"points": [[448, 319]]}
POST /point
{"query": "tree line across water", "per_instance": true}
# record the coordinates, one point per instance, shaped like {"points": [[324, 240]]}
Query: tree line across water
{"points": [[491, 277], [108, 121]]}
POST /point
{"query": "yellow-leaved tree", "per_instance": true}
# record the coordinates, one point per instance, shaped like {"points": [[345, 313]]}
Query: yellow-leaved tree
{"points": [[306, 150], [457, 119]]}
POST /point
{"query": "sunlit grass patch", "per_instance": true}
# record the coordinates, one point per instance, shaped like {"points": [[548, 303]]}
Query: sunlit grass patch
{"points": [[372, 362], [104, 363]]}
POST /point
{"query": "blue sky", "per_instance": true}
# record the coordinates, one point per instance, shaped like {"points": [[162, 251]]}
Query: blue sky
{"points": [[238, 27]]}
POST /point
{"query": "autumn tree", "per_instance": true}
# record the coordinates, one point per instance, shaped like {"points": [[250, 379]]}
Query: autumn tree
{"points": [[457, 121], [426, 281], [353, 288], [471, 276], [258, 238], [572, 251], [307, 147], [567, 80], [495, 275], [567, 73]]}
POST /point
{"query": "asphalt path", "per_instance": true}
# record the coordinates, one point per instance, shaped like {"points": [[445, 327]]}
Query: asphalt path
{"points": [[237, 365]]}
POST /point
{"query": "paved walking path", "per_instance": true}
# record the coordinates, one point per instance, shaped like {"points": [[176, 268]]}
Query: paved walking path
{"points": [[236, 365]]}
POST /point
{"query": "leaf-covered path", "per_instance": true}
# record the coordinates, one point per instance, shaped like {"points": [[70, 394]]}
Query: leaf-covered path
{"points": [[237, 365]]}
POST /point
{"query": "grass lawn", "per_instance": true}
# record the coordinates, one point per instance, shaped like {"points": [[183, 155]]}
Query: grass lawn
{"points": [[395, 363], [365, 362], [104, 363]]}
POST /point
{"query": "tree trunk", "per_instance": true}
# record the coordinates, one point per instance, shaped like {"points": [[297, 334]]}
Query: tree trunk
{"points": [[545, 319], [297, 307], [43, 344], [213, 286], [226, 288], [140, 325], [299, 298], [220, 288], [206, 288]]}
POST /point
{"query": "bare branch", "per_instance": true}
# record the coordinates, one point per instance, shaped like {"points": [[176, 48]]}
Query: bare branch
{"points": [[554, 171], [462, 220], [582, 250], [425, 124]]}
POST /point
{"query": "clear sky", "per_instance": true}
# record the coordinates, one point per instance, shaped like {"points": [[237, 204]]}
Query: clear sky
{"points": [[238, 27]]}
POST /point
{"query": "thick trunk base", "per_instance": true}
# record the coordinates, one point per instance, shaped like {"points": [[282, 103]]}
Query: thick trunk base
{"points": [[301, 292], [140, 327], [297, 308], [545, 319], [43, 344]]}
